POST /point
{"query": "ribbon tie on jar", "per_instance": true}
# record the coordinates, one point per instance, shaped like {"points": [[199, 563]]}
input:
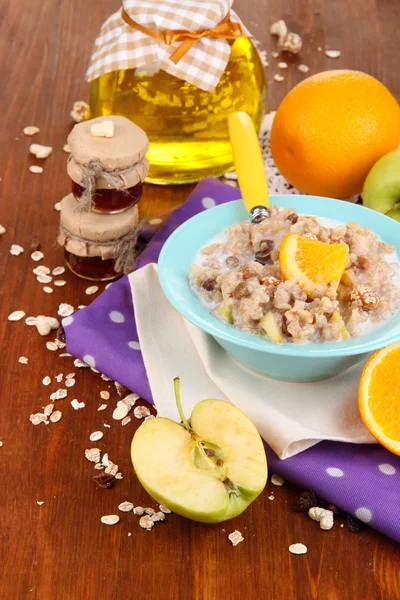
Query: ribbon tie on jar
{"points": [[225, 30]]}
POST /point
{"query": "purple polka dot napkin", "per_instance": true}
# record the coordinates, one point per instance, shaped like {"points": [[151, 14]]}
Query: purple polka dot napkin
{"points": [[363, 480]]}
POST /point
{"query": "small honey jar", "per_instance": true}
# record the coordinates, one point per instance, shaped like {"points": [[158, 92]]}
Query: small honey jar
{"points": [[98, 247], [107, 173]]}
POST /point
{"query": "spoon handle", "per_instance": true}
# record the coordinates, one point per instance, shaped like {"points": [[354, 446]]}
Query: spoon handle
{"points": [[248, 160]]}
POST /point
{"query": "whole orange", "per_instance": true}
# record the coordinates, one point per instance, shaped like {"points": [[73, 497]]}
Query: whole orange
{"points": [[330, 130]]}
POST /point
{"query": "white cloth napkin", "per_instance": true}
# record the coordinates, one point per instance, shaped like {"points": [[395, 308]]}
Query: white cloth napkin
{"points": [[290, 417]]}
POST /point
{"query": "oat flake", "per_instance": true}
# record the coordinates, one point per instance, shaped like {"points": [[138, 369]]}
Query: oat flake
{"points": [[303, 68], [31, 321], [60, 282], [110, 519], [138, 510], [55, 416], [1, 443], [70, 376], [76, 405], [118, 476], [104, 395], [43, 278], [48, 409], [2, 229], [57, 206], [59, 377], [121, 411], [36, 169], [332, 53], [125, 421], [65, 310], [93, 454], [70, 382], [59, 394], [48, 289], [23, 360], [141, 411], [58, 271], [277, 480], [38, 418], [165, 509], [146, 522], [31, 130], [98, 466], [105, 378], [41, 270], [125, 506], [95, 436], [235, 537], [40, 502], [92, 289], [17, 315], [66, 148], [298, 549], [51, 346], [37, 255], [46, 380], [102, 407], [16, 250], [80, 364]]}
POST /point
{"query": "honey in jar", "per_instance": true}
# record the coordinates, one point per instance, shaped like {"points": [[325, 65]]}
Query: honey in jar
{"points": [[92, 241], [187, 124], [111, 200]]}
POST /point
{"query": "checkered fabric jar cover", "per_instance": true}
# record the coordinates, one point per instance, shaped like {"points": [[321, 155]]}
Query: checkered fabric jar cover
{"points": [[121, 46]]}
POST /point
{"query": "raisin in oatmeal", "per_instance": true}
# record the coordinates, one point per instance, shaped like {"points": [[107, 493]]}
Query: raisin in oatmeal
{"points": [[238, 278]]}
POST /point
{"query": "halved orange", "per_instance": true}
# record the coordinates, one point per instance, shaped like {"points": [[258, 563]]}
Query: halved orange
{"points": [[312, 262], [379, 396]]}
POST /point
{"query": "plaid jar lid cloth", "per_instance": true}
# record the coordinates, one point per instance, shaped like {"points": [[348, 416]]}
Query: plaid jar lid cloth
{"points": [[186, 38]]}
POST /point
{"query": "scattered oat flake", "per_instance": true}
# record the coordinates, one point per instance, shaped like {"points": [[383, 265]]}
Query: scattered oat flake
{"points": [[55, 416], [104, 395], [282, 65], [92, 289], [275, 54], [70, 382], [60, 282], [298, 549], [1, 443], [277, 480], [65, 355], [110, 519], [303, 68], [138, 510], [98, 466], [146, 522], [31, 321], [66, 148], [94, 370], [58, 271], [112, 469], [82, 306], [2, 229], [125, 421], [48, 409], [130, 399], [17, 315], [93, 455], [80, 111], [141, 411], [37, 255], [46, 380], [31, 130], [44, 278], [165, 509], [59, 377], [65, 310], [105, 378], [38, 418], [332, 53], [16, 250], [106, 425], [70, 376], [40, 151], [40, 502], [51, 346], [121, 411], [129, 534], [271, 497], [59, 394], [118, 476], [41, 270], [125, 506], [235, 537], [149, 511], [48, 289], [80, 364], [102, 407], [278, 78], [36, 169], [157, 517], [23, 360], [57, 206], [76, 404], [95, 436]]}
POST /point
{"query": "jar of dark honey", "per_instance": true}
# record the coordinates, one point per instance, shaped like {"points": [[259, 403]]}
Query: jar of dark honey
{"points": [[107, 173], [98, 247]]}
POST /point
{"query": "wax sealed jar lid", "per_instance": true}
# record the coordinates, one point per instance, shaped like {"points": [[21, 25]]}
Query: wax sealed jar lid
{"points": [[126, 148], [96, 227], [127, 178]]}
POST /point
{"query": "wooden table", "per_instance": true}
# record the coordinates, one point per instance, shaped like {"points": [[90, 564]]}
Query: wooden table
{"points": [[59, 549]]}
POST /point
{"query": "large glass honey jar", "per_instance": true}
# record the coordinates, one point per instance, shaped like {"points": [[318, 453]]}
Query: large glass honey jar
{"points": [[187, 126]]}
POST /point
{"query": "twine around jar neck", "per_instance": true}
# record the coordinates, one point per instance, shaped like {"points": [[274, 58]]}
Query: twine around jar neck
{"points": [[90, 175], [125, 253], [225, 30]]}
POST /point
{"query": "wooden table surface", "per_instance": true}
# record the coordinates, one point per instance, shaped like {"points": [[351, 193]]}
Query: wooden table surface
{"points": [[59, 549]]}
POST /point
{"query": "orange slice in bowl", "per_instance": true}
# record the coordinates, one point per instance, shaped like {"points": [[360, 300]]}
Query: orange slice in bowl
{"points": [[379, 396], [312, 263]]}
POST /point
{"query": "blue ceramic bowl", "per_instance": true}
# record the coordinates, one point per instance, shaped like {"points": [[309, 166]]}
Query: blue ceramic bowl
{"points": [[288, 362]]}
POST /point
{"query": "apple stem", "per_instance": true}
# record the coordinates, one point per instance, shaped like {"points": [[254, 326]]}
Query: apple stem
{"points": [[177, 389]]}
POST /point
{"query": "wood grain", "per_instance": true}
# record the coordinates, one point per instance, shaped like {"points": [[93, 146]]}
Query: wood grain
{"points": [[60, 550]]}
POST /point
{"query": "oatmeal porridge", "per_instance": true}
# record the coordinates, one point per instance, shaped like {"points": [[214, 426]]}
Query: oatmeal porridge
{"points": [[238, 277]]}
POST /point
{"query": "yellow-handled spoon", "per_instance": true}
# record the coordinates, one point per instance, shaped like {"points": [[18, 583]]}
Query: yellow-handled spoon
{"points": [[249, 165]]}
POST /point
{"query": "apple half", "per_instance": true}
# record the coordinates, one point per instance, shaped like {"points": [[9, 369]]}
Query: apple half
{"points": [[209, 469]]}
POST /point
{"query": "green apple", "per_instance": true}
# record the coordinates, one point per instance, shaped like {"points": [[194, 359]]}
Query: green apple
{"points": [[382, 186], [209, 469], [271, 327]]}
